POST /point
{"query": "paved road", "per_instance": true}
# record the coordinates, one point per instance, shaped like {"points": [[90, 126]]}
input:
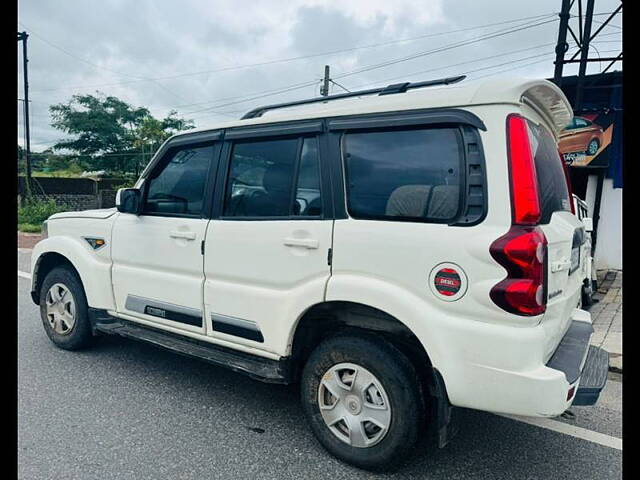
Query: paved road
{"points": [[126, 410]]}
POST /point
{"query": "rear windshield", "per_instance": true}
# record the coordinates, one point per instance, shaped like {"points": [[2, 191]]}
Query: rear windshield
{"points": [[404, 174], [552, 183]]}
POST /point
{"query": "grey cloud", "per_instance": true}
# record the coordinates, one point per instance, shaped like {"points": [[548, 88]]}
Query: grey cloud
{"points": [[145, 38]]}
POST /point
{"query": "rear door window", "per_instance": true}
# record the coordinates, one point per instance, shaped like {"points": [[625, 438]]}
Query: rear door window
{"points": [[552, 182], [404, 174], [274, 178]]}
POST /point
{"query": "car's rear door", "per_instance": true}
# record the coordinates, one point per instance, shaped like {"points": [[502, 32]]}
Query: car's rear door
{"points": [[268, 243], [564, 232]]}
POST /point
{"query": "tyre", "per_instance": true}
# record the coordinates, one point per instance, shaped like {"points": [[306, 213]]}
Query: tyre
{"points": [[587, 295], [64, 310], [593, 147], [361, 396]]}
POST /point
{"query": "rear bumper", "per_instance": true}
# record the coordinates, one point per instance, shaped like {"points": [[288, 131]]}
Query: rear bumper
{"points": [[574, 374], [585, 367], [594, 377]]}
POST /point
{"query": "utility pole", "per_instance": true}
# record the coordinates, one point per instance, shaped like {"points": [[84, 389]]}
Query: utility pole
{"points": [[586, 39], [324, 91], [582, 40], [562, 46], [22, 36]]}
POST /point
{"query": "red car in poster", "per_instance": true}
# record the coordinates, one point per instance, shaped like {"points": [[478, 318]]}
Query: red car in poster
{"points": [[581, 135]]}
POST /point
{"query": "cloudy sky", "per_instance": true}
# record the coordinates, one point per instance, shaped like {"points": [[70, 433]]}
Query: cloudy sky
{"points": [[212, 60]]}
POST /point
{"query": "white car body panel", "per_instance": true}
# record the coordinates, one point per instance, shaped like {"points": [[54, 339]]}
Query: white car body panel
{"points": [[252, 275], [149, 263], [66, 237]]}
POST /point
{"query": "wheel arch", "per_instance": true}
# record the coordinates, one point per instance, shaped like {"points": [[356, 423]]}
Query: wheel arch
{"points": [[330, 318], [43, 265], [94, 270]]}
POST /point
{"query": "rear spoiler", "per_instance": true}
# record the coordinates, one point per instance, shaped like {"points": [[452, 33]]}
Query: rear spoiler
{"points": [[543, 96]]}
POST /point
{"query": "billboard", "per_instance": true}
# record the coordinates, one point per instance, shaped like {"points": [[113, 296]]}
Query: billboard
{"points": [[584, 141], [593, 140]]}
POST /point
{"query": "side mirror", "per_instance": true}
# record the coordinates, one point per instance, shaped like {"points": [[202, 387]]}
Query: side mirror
{"points": [[588, 224], [129, 200]]}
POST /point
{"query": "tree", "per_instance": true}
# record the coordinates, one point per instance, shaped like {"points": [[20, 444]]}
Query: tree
{"points": [[108, 132], [151, 133]]}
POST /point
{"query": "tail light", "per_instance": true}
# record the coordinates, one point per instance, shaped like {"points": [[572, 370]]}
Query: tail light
{"points": [[525, 203], [522, 251]]}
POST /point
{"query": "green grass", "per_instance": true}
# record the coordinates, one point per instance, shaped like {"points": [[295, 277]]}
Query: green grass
{"points": [[59, 174], [34, 212], [29, 228]]}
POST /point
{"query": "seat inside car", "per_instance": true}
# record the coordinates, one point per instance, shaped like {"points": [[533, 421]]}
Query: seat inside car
{"points": [[408, 201], [274, 200]]}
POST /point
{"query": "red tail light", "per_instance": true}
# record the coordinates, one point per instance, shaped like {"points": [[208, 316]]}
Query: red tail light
{"points": [[525, 205], [522, 251]]}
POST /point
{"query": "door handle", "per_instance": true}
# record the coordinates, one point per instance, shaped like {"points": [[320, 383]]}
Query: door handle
{"points": [[301, 242], [185, 235]]}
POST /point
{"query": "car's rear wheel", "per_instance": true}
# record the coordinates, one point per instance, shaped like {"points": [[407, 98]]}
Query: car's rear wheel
{"points": [[64, 309], [362, 398], [593, 147]]}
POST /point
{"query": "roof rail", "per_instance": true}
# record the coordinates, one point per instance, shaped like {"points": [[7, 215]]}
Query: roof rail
{"points": [[388, 90]]}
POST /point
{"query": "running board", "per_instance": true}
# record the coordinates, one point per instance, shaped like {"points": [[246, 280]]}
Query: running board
{"points": [[264, 369]]}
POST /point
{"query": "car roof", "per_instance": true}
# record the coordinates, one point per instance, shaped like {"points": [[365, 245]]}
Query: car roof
{"points": [[542, 95]]}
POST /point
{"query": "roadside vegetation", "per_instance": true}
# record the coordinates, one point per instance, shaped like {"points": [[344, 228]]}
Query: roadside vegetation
{"points": [[34, 212]]}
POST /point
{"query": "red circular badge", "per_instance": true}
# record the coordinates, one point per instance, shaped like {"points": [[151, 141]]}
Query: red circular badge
{"points": [[447, 282]]}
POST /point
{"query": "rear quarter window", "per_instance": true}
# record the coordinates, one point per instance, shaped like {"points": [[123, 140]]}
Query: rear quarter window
{"points": [[552, 183], [404, 174]]}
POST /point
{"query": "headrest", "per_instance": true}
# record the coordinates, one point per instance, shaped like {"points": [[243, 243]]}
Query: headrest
{"points": [[444, 201], [408, 201]]}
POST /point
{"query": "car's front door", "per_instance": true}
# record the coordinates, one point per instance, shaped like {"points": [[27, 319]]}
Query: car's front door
{"points": [[267, 247], [157, 255]]}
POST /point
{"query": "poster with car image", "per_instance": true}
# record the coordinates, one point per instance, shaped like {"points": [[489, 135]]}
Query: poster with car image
{"points": [[584, 139]]}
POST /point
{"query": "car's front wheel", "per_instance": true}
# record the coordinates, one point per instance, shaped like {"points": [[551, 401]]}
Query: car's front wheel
{"points": [[64, 309], [362, 398], [593, 147]]}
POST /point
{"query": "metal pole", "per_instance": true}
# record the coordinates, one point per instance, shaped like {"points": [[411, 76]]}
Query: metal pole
{"points": [[23, 36], [596, 209], [562, 46], [325, 86], [584, 54]]}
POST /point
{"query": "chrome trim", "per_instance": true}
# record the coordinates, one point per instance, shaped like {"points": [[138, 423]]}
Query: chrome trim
{"points": [[138, 304], [236, 322]]}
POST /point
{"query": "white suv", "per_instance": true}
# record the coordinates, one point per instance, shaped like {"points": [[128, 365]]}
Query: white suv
{"points": [[590, 280], [399, 252]]}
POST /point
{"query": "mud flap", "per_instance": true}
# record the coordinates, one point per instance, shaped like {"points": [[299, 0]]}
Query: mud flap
{"points": [[446, 427]]}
